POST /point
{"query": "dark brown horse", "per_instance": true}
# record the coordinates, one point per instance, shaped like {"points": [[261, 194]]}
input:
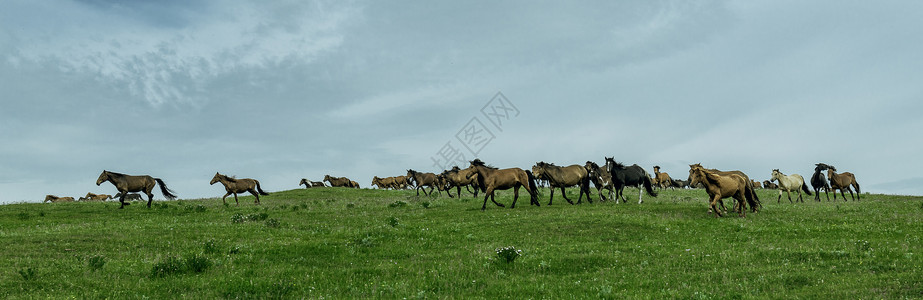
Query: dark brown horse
{"points": [[769, 185], [459, 178], [338, 181], [129, 184], [723, 186], [819, 182], [562, 177], [601, 179], [234, 186], [309, 184], [491, 179], [756, 204], [422, 180], [130, 197], [662, 179], [842, 182], [633, 175]]}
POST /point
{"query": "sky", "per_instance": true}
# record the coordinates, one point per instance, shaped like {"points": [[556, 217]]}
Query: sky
{"points": [[284, 90]]}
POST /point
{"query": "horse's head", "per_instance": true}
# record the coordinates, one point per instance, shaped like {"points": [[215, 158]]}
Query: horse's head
{"points": [[49, 198], [411, 172], [326, 178], [215, 178], [696, 175], [305, 182], [102, 177], [776, 175], [538, 170]]}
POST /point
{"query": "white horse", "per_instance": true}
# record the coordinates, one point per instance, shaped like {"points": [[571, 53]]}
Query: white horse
{"points": [[789, 183]]}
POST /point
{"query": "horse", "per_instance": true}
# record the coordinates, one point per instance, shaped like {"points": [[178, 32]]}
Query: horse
{"points": [[769, 185], [681, 183], [383, 183], [353, 184], [721, 186], [756, 184], [633, 175], [128, 183], [55, 199], [129, 197], [819, 182], [96, 197], [338, 181], [562, 177], [662, 179], [457, 178], [843, 181], [233, 186], [789, 183], [600, 179], [401, 182], [422, 180], [309, 184], [756, 200], [491, 179]]}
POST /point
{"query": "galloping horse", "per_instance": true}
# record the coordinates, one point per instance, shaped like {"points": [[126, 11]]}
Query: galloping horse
{"points": [[841, 182], [491, 179], [458, 178], [55, 199], [309, 184], [383, 183], [623, 176], [818, 182], [96, 197], [723, 186], [234, 186], [562, 177], [422, 180], [401, 182], [338, 181], [662, 179], [600, 178], [129, 197], [128, 184], [789, 183], [756, 200]]}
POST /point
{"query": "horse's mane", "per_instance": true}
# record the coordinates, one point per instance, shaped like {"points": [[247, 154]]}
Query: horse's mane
{"points": [[228, 178], [478, 162], [592, 164], [116, 174]]}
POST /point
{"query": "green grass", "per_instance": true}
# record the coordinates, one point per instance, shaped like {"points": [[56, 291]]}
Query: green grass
{"points": [[346, 243]]}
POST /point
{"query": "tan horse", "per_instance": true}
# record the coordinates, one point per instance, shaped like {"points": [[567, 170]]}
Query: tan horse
{"points": [[662, 179], [789, 183], [130, 197], [841, 182], [601, 179], [56, 199], [756, 184], [422, 180], [309, 184], [459, 178], [129, 184], [723, 186], [756, 201], [383, 183], [234, 186], [491, 179], [401, 182], [338, 181], [562, 177], [96, 197]]}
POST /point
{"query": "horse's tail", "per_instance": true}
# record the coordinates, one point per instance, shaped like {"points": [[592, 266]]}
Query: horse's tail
{"points": [[258, 189], [649, 186], [752, 200], [804, 187], [856, 184], [533, 190], [167, 193]]}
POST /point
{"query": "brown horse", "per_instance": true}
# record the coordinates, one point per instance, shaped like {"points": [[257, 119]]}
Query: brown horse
{"points": [[756, 184], [96, 197], [769, 185], [601, 179], [128, 184], [309, 184], [233, 186], [459, 178], [843, 181], [662, 179], [338, 181], [723, 186], [55, 199], [129, 197], [562, 177], [756, 200], [491, 179], [401, 182], [383, 183], [422, 180]]}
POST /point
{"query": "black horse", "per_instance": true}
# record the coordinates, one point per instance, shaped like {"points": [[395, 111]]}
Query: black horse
{"points": [[819, 181], [633, 175]]}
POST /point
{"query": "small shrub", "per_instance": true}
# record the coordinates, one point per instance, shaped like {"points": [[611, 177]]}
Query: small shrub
{"points": [[96, 262], [350, 205], [273, 223], [197, 208], [197, 264], [169, 266], [863, 246], [508, 254], [41, 214], [23, 216], [238, 218], [393, 221], [210, 247], [235, 250], [426, 204], [398, 203], [28, 274], [258, 217]]}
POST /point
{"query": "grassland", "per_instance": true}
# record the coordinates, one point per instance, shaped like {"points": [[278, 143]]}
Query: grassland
{"points": [[344, 243]]}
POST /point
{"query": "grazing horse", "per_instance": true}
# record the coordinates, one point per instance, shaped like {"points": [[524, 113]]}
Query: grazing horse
{"points": [[130, 197], [662, 179], [422, 180], [128, 184], [843, 181], [600, 178], [819, 182], [96, 197], [458, 178], [723, 186], [55, 199], [562, 177], [491, 179], [338, 181], [234, 186], [769, 185], [633, 175], [309, 184], [756, 200], [789, 183]]}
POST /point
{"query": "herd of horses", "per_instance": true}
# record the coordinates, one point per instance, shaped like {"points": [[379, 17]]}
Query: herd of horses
{"points": [[613, 176]]}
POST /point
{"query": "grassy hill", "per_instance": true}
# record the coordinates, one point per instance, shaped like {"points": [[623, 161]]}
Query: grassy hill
{"points": [[346, 243]]}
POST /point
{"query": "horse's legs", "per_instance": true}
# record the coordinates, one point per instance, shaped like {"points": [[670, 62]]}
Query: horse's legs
{"points": [[640, 192], [564, 194], [849, 189], [515, 196], [122, 199], [150, 198], [742, 200], [235, 199], [225, 196], [714, 205], [552, 195], [255, 194]]}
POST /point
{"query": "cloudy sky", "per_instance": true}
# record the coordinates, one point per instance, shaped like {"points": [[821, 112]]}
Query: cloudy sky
{"points": [[284, 90]]}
